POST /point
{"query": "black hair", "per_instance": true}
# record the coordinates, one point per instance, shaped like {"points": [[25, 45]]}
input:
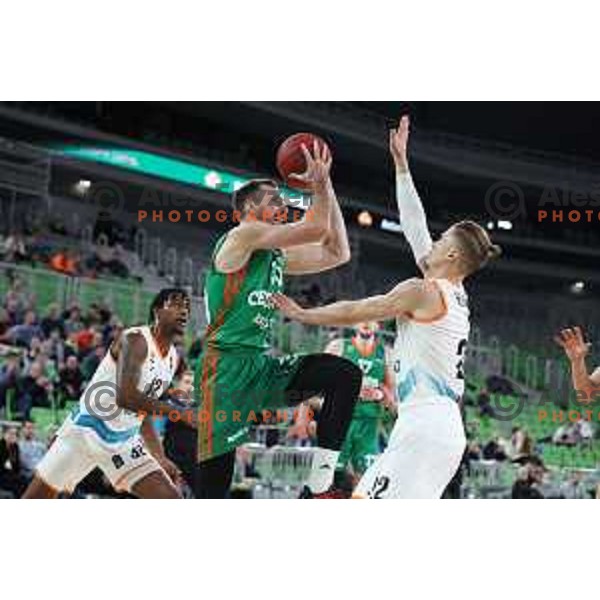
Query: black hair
{"points": [[162, 297], [241, 195]]}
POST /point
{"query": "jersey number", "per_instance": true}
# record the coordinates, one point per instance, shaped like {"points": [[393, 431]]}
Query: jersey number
{"points": [[460, 366], [380, 485], [365, 365]]}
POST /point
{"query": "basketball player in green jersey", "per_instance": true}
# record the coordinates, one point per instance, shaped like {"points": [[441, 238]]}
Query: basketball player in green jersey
{"points": [[375, 400], [237, 379]]}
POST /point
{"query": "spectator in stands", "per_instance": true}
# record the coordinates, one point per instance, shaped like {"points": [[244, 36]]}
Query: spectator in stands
{"points": [[31, 450], [10, 463], [49, 368], [566, 435], [521, 445], [15, 248], [52, 321], [473, 451], [54, 349], [484, 403], [13, 309], [33, 351], [571, 434], [65, 261], [106, 230], [71, 379], [92, 316], [494, 450], [530, 476], [4, 321], [103, 256], [91, 361], [180, 440], [72, 320], [117, 265], [58, 261], [105, 316], [22, 334], [40, 248], [85, 339], [112, 331], [9, 374], [585, 430], [33, 389]]}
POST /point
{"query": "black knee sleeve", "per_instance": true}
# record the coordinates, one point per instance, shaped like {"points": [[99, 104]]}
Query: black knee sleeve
{"points": [[339, 381]]}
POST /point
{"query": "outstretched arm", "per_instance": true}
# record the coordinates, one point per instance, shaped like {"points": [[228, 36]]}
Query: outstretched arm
{"points": [[410, 209], [576, 349], [407, 297], [333, 252]]}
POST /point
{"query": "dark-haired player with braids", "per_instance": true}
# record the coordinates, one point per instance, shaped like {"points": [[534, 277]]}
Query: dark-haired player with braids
{"points": [[112, 428], [428, 440], [237, 377]]}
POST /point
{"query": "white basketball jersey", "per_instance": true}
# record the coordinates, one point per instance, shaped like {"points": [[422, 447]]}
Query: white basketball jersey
{"points": [[97, 406], [428, 356]]}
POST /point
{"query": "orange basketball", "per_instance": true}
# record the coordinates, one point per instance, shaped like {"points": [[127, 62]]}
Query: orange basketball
{"points": [[291, 160]]}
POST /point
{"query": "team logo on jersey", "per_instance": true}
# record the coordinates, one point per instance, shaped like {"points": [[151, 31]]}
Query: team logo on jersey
{"points": [[461, 299], [260, 298]]}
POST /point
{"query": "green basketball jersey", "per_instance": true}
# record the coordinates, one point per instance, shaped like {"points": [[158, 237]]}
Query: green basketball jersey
{"points": [[373, 368], [238, 305]]}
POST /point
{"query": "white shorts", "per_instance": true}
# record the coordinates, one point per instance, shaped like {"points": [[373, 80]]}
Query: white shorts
{"points": [[76, 451], [424, 452]]}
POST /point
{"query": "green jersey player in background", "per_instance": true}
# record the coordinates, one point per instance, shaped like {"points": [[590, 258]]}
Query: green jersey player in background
{"points": [[376, 397]]}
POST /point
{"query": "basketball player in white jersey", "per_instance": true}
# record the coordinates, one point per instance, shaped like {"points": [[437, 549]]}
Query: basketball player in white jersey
{"points": [[428, 440], [108, 429]]}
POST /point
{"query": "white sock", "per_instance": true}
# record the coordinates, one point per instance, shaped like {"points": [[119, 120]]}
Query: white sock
{"points": [[323, 470]]}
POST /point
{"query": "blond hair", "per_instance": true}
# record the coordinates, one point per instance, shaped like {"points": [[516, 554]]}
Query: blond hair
{"points": [[476, 245]]}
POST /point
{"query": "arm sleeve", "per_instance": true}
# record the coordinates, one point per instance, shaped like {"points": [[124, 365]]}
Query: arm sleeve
{"points": [[412, 217]]}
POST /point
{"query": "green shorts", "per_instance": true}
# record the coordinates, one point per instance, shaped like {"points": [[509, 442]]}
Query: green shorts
{"points": [[362, 440], [235, 390]]}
